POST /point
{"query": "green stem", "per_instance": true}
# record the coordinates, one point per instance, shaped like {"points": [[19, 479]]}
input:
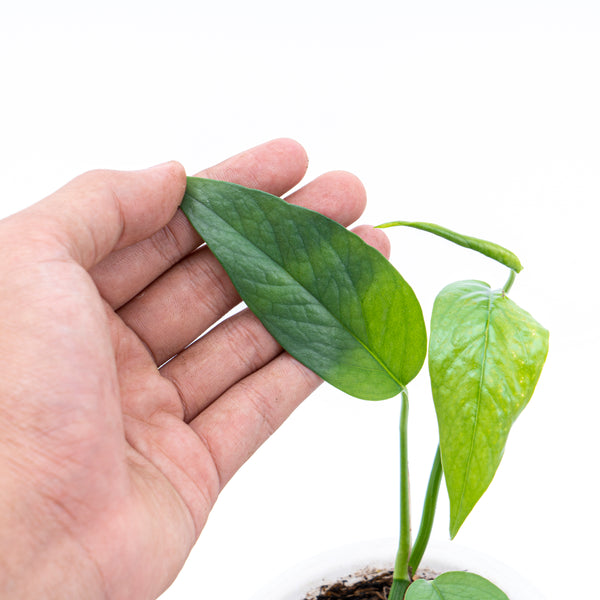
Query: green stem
{"points": [[508, 284], [431, 496], [401, 574], [398, 589]]}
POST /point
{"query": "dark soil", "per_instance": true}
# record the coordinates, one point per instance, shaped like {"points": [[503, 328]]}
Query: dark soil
{"points": [[370, 587], [376, 587]]}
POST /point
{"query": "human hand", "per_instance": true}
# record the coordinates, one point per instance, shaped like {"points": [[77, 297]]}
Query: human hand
{"points": [[110, 462]]}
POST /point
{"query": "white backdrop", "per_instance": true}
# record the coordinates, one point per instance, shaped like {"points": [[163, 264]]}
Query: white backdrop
{"points": [[482, 116]]}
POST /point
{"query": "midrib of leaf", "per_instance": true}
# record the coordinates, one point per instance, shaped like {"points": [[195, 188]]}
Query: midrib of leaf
{"points": [[437, 589], [281, 267], [479, 393]]}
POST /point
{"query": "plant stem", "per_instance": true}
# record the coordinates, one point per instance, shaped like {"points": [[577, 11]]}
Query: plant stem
{"points": [[398, 589], [431, 496], [401, 574], [508, 284]]}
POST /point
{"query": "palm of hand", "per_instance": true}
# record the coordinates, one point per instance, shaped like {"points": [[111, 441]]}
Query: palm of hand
{"points": [[119, 460]]}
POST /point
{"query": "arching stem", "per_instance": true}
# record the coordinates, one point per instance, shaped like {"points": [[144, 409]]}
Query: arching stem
{"points": [[508, 284], [429, 506]]}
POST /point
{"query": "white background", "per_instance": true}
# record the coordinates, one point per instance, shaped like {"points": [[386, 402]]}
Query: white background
{"points": [[482, 116]]}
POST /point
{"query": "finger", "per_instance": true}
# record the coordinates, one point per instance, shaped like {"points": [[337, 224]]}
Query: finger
{"points": [[190, 297], [234, 349], [338, 195], [101, 211], [239, 344], [274, 167], [374, 237], [235, 425]]}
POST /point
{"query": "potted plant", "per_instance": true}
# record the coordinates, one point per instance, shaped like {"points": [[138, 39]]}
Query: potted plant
{"points": [[364, 571], [339, 307]]}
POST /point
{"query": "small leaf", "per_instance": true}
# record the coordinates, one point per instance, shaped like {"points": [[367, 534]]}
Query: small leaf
{"points": [[455, 585], [331, 300], [489, 249], [485, 357]]}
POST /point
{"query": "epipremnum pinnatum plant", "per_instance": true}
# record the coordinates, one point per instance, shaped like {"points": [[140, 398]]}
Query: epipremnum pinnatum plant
{"points": [[340, 308]]}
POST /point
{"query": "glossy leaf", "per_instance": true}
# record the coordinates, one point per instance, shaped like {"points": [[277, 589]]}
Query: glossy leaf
{"points": [[489, 249], [455, 585], [485, 357], [331, 300]]}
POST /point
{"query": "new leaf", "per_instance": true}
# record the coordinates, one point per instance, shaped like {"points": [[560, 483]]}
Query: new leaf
{"points": [[485, 357]]}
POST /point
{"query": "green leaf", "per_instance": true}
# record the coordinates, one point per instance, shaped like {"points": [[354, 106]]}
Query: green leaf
{"points": [[485, 357], [455, 585], [489, 249], [331, 300]]}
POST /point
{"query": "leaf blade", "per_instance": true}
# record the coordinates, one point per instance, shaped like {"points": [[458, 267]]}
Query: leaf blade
{"points": [[455, 585], [332, 301], [485, 357]]}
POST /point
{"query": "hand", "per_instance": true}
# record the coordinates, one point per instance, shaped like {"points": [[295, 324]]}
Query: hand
{"points": [[110, 462]]}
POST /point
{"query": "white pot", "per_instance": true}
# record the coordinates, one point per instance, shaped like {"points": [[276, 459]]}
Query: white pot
{"points": [[330, 566]]}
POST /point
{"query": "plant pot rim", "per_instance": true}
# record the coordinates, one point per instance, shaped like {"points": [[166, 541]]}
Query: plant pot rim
{"points": [[359, 557]]}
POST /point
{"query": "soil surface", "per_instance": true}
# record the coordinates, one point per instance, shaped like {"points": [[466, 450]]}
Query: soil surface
{"points": [[376, 587], [370, 587]]}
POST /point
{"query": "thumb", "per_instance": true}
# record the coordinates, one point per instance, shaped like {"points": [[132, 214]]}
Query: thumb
{"points": [[101, 211]]}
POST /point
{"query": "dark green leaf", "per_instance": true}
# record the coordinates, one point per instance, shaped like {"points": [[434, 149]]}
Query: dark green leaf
{"points": [[331, 300], [455, 585], [485, 357], [489, 249]]}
